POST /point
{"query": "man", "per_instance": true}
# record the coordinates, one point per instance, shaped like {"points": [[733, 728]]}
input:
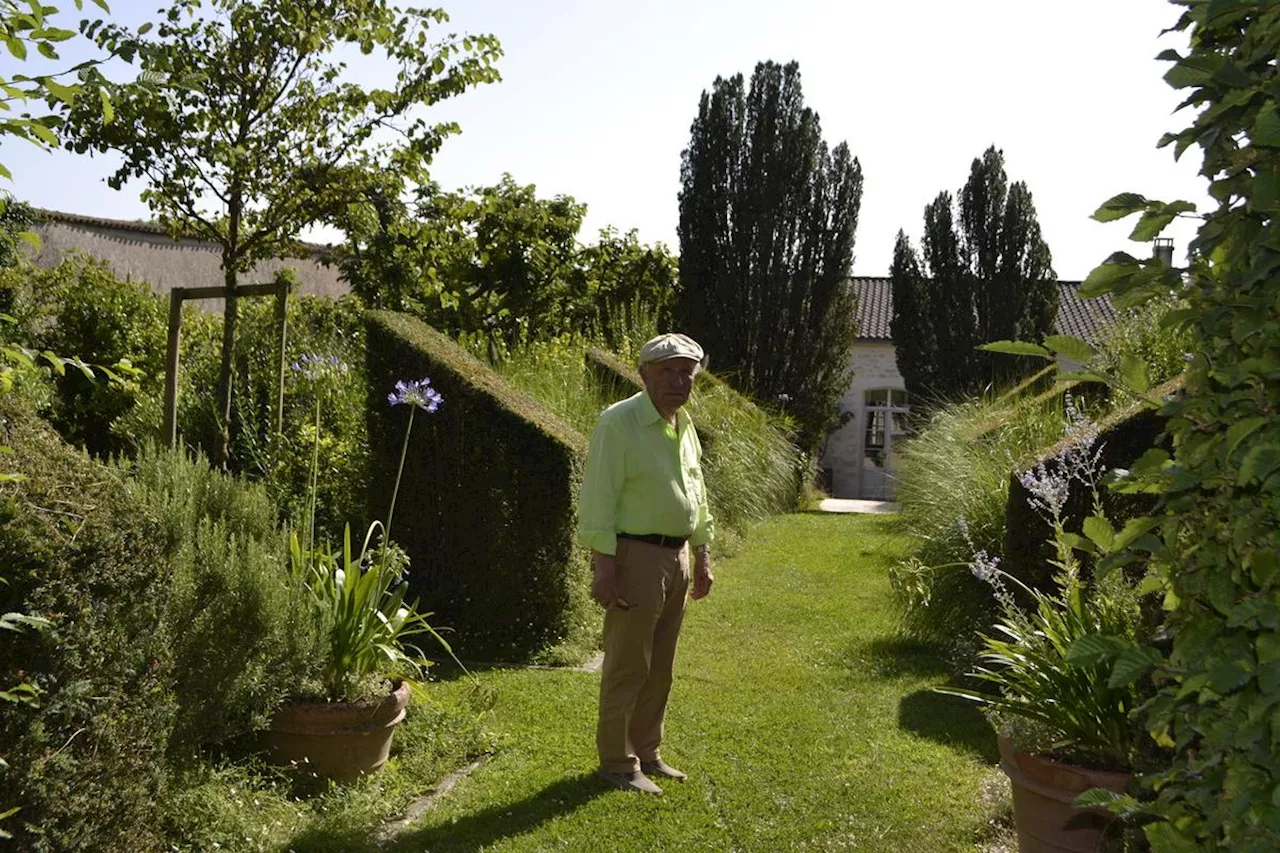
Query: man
{"points": [[643, 506]]}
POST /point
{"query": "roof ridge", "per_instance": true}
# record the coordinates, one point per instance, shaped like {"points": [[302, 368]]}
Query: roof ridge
{"points": [[143, 227]]}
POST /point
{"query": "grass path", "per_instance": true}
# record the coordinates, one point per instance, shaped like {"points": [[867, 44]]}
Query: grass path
{"points": [[803, 723]]}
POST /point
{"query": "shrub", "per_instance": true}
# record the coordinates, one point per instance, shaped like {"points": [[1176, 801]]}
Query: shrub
{"points": [[80, 307], [489, 520], [262, 449], [238, 640], [1140, 332], [958, 465], [81, 550]]}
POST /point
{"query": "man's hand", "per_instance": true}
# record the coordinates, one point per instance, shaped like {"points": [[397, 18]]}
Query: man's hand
{"points": [[702, 577], [604, 586]]}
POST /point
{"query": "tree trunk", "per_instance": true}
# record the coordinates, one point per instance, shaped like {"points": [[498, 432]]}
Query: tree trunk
{"points": [[224, 370]]}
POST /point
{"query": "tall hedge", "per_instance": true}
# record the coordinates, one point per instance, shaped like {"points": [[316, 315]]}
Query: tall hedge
{"points": [[487, 505], [1123, 436], [76, 547]]}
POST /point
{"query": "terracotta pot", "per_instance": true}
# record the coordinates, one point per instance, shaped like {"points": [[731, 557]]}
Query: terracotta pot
{"points": [[1043, 793], [341, 741]]}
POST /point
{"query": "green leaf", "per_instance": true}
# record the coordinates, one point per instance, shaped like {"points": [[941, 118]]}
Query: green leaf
{"points": [[16, 47], [1016, 348], [1079, 543], [144, 29], [1266, 127], [66, 94], [1133, 372], [1133, 528], [1104, 278], [1100, 532], [108, 111], [1120, 206], [1240, 430], [43, 133], [1093, 649], [1259, 464], [1133, 663], [1073, 348], [1166, 838]]}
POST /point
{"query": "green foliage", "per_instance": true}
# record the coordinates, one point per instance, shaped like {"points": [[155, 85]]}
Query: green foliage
{"points": [[489, 525], [767, 220], [985, 278], [957, 465], [81, 307], [265, 135], [26, 26], [1141, 332], [500, 263], [1054, 664], [228, 590], [80, 550], [16, 219], [1220, 529]]}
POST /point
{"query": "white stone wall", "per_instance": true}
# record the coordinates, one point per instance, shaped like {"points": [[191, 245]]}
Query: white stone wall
{"points": [[874, 366], [164, 263]]}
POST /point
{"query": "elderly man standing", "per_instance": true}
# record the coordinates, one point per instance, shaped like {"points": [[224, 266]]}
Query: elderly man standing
{"points": [[643, 506]]}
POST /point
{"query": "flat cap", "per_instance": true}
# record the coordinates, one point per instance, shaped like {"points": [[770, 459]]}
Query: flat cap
{"points": [[669, 346]]}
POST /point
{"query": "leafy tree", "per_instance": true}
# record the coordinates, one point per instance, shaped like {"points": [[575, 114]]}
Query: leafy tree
{"points": [[987, 277], [633, 286], [1217, 553], [270, 137], [498, 261], [767, 220], [16, 219]]}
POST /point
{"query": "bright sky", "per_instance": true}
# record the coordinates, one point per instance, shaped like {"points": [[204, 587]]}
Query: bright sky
{"points": [[598, 96]]}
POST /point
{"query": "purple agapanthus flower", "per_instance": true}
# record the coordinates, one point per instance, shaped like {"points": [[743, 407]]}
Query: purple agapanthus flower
{"points": [[416, 393], [319, 367]]}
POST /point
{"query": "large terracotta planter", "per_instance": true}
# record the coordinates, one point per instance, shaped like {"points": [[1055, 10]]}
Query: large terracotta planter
{"points": [[341, 741], [1043, 793]]}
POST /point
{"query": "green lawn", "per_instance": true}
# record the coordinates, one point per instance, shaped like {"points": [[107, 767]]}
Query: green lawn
{"points": [[803, 723]]}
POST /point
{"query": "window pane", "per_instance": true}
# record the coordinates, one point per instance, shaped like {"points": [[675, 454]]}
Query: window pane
{"points": [[898, 397], [876, 396]]}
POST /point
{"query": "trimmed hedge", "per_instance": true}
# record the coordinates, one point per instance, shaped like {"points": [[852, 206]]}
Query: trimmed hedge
{"points": [[1125, 435], [87, 764], [487, 504]]}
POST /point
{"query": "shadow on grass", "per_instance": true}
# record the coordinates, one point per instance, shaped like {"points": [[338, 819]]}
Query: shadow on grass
{"points": [[949, 720], [888, 657], [480, 829]]}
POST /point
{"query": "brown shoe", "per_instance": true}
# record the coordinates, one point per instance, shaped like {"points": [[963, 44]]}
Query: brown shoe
{"points": [[634, 782], [658, 767]]}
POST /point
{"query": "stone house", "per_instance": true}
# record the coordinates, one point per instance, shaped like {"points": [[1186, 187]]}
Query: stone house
{"points": [[859, 459]]}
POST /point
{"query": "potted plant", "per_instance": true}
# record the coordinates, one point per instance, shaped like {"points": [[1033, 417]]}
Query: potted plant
{"points": [[1065, 663], [341, 726]]}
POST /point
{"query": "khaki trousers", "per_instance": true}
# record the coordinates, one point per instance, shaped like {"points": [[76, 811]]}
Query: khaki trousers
{"points": [[639, 651]]}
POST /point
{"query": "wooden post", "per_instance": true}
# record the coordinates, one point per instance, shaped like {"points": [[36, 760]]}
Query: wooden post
{"points": [[170, 433], [282, 326]]}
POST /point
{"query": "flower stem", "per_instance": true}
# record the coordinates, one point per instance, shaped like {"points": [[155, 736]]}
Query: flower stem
{"points": [[315, 468], [404, 448]]}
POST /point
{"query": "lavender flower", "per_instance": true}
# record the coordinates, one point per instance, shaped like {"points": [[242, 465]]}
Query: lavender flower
{"points": [[416, 393], [1048, 490]]}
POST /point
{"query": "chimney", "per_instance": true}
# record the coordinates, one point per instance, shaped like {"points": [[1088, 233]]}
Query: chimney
{"points": [[1163, 250]]}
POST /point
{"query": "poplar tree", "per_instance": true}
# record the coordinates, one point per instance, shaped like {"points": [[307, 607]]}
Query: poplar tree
{"points": [[984, 274], [767, 220]]}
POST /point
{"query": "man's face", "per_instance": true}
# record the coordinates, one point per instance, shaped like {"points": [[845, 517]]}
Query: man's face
{"points": [[669, 382]]}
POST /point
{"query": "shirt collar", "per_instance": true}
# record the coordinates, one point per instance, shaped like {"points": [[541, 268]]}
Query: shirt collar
{"points": [[649, 413]]}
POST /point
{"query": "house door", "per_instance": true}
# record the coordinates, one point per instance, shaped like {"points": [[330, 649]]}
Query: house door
{"points": [[885, 412]]}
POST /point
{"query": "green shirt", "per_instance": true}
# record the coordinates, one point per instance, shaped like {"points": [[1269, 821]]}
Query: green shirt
{"points": [[643, 476]]}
